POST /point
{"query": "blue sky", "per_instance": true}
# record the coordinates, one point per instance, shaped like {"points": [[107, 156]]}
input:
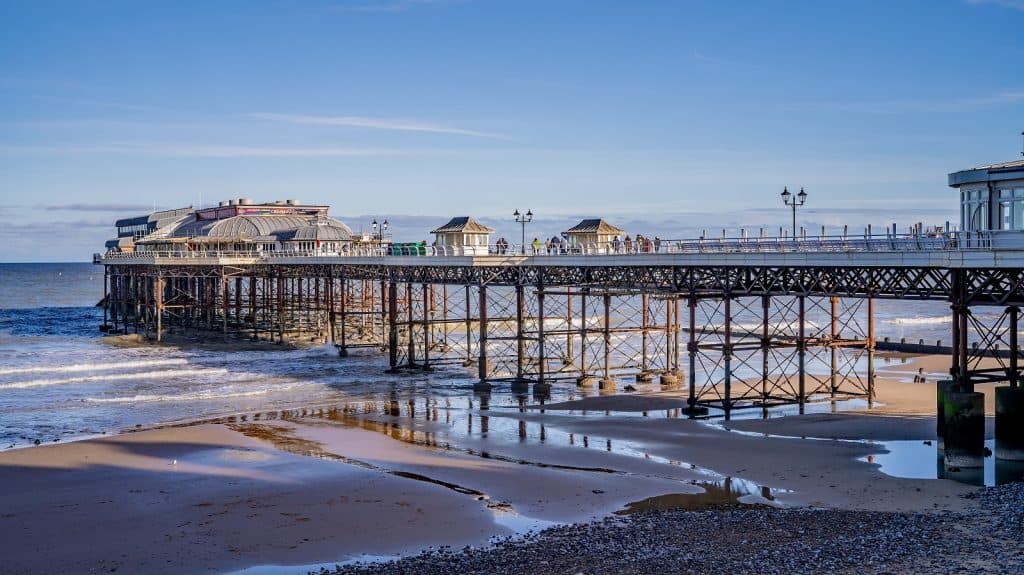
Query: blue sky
{"points": [[666, 116]]}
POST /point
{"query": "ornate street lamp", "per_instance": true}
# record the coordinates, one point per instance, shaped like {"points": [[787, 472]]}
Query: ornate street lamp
{"points": [[378, 231], [794, 202], [522, 220]]}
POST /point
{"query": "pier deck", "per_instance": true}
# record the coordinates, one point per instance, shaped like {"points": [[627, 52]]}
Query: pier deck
{"points": [[600, 314]]}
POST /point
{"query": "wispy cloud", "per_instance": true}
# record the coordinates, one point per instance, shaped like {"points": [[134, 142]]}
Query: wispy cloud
{"points": [[1012, 4], [98, 104], [96, 207], [374, 124], [390, 5], [203, 151], [1004, 98], [18, 230]]}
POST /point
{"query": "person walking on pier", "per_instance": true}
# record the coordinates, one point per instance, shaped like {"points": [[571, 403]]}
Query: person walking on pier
{"points": [[617, 244], [629, 244], [536, 246]]}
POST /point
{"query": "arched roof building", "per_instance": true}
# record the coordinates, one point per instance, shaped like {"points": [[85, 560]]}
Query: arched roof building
{"points": [[273, 226]]}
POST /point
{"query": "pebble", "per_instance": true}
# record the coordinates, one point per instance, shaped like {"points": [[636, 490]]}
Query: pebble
{"points": [[985, 538]]}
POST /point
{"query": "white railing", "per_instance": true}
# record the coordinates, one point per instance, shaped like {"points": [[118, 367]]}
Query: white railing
{"points": [[950, 241]]}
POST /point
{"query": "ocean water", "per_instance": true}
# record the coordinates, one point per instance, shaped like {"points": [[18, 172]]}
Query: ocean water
{"points": [[61, 379]]}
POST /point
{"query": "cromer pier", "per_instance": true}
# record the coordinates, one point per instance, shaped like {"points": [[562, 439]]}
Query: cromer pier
{"points": [[734, 321]]}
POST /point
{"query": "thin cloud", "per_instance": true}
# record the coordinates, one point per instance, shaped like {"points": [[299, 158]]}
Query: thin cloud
{"points": [[21, 230], [98, 104], [1012, 4], [96, 207], [374, 124], [202, 151], [1004, 98], [390, 5]]}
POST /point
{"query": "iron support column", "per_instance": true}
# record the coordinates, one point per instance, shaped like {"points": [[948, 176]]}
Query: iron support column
{"points": [[801, 346], [469, 326], [871, 350], [606, 379], [727, 353], [482, 367], [428, 305], [691, 349], [766, 301], [834, 336], [542, 387], [1014, 374], [392, 322], [158, 293]]}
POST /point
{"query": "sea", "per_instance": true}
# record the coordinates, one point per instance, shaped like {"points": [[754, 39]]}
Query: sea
{"points": [[61, 378]]}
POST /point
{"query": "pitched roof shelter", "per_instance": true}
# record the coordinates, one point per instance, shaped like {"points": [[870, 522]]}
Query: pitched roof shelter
{"points": [[595, 226], [463, 235], [465, 225]]}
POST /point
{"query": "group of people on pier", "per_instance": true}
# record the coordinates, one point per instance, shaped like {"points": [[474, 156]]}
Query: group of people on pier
{"points": [[560, 245], [640, 245]]}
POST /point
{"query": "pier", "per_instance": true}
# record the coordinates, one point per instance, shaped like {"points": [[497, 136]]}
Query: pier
{"points": [[541, 319], [751, 321]]}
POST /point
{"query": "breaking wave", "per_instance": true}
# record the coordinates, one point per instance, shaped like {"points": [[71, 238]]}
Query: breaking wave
{"points": [[92, 366], [165, 374], [917, 320], [193, 396]]}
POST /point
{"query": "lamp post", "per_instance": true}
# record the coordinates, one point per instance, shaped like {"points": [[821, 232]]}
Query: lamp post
{"points": [[794, 202], [378, 231], [522, 220]]}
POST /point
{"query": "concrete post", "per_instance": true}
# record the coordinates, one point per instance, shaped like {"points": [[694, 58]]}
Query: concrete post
{"points": [[943, 387], [964, 414], [1010, 423]]}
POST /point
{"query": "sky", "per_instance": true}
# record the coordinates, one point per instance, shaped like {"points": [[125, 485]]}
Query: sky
{"points": [[666, 118]]}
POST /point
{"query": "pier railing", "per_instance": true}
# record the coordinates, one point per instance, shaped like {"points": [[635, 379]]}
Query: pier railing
{"points": [[950, 241]]}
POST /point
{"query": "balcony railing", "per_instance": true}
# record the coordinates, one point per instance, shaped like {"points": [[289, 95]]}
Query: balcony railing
{"points": [[950, 241]]}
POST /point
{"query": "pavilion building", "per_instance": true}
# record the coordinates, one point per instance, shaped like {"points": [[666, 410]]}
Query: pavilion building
{"points": [[992, 201]]}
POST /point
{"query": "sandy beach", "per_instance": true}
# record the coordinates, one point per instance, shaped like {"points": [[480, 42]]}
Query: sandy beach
{"points": [[332, 484]]}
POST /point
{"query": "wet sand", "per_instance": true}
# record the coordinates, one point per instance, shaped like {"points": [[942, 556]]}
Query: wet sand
{"points": [[336, 484]]}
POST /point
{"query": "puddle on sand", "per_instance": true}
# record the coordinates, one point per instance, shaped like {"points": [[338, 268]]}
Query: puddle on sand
{"points": [[717, 493], [922, 460], [283, 438]]}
